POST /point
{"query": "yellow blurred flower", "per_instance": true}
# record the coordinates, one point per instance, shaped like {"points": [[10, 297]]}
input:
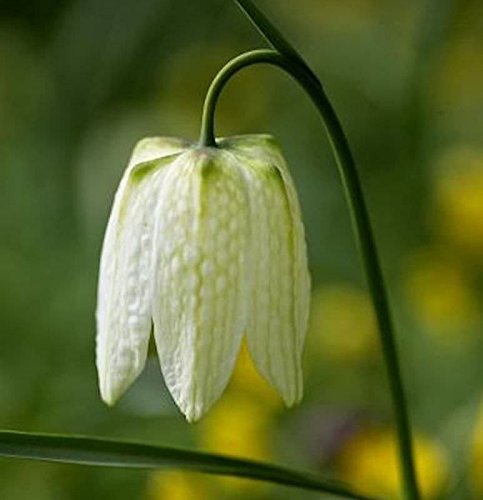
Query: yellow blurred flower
{"points": [[369, 462], [240, 424], [247, 381], [459, 198], [441, 297], [476, 472], [342, 324], [176, 485]]}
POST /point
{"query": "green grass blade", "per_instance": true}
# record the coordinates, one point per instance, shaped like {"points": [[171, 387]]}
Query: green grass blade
{"points": [[104, 452]]}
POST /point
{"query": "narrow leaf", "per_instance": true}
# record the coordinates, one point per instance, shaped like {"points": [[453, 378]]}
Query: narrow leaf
{"points": [[102, 452]]}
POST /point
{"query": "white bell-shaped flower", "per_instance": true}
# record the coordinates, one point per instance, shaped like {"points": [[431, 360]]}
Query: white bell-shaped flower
{"points": [[203, 246]]}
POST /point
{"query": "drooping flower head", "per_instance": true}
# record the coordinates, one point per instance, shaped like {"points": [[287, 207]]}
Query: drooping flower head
{"points": [[203, 246]]}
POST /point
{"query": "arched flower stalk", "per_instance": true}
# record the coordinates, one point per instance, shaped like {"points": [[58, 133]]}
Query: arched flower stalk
{"points": [[284, 56]]}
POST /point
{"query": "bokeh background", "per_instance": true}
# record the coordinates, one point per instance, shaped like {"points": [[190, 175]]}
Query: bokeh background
{"points": [[81, 81]]}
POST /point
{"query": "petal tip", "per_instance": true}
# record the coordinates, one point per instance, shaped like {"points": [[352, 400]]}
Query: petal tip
{"points": [[192, 418], [193, 414], [107, 396], [112, 388], [109, 402], [293, 400]]}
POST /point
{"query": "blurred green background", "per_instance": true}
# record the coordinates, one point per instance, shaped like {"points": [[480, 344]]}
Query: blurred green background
{"points": [[82, 81]]}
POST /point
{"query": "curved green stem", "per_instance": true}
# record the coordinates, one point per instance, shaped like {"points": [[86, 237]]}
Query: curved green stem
{"points": [[360, 221]]}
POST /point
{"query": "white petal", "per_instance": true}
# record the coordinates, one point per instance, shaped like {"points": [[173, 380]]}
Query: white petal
{"points": [[280, 296], [124, 293], [301, 278], [200, 279]]}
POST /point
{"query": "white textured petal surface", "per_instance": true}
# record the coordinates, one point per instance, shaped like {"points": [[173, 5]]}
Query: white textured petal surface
{"points": [[280, 296], [207, 244], [124, 291], [201, 283]]}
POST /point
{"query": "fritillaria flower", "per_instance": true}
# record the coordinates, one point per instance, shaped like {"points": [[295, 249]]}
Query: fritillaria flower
{"points": [[204, 246]]}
